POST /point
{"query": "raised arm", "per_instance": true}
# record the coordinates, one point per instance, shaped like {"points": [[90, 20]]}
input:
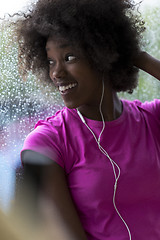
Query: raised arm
{"points": [[148, 64], [58, 210]]}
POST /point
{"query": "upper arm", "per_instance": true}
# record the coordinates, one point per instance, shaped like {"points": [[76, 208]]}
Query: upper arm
{"points": [[148, 64], [45, 140], [55, 200]]}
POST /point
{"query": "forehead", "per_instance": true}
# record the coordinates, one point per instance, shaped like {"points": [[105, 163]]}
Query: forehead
{"points": [[58, 43]]}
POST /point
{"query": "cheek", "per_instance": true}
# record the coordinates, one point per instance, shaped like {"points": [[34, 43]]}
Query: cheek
{"points": [[51, 75]]}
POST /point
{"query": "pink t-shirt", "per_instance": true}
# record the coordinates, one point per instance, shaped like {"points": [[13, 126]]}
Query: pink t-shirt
{"points": [[133, 142]]}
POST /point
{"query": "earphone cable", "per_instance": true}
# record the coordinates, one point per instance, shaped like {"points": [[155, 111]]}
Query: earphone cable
{"points": [[114, 164]]}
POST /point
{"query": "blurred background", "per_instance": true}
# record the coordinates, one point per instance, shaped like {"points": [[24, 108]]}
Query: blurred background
{"points": [[23, 103]]}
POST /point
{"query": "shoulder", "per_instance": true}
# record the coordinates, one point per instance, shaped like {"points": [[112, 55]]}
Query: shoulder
{"points": [[48, 128], [142, 119], [49, 136], [136, 105], [54, 124], [57, 120]]}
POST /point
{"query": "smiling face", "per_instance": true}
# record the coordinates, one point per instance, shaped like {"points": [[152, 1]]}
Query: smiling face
{"points": [[78, 83]]}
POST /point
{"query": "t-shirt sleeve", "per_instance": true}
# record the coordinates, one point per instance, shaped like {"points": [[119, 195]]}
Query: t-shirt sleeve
{"points": [[46, 140], [153, 107]]}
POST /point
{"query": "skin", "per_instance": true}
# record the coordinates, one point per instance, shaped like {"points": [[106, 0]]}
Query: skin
{"points": [[148, 64], [56, 209], [69, 66]]}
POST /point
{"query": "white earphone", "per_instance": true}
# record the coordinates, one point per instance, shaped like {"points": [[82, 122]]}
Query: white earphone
{"points": [[114, 165]]}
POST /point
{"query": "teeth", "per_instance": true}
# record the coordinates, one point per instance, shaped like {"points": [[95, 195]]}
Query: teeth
{"points": [[63, 88]]}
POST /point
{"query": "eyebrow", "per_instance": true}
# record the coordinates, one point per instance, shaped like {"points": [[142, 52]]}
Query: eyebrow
{"points": [[63, 45]]}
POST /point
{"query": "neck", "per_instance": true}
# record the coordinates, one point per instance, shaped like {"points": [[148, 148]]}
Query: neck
{"points": [[111, 107]]}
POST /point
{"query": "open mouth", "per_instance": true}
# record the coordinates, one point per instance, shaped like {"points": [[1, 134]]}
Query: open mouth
{"points": [[65, 89]]}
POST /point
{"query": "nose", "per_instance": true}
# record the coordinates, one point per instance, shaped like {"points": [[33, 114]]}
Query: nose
{"points": [[58, 71]]}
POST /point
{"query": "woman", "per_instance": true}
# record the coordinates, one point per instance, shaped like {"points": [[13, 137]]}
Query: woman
{"points": [[104, 179]]}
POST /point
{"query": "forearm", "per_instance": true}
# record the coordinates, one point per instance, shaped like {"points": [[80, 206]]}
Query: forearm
{"points": [[58, 223], [58, 208], [55, 207], [148, 64]]}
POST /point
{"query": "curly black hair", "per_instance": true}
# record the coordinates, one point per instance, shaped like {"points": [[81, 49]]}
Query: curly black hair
{"points": [[107, 31]]}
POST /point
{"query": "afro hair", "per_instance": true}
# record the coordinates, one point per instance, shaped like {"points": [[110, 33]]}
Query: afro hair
{"points": [[107, 32]]}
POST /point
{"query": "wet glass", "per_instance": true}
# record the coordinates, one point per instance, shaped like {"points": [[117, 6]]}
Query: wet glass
{"points": [[23, 103]]}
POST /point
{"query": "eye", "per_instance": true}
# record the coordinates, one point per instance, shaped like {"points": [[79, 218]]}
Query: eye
{"points": [[51, 62], [70, 57]]}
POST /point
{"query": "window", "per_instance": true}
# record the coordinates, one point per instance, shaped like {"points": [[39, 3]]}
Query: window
{"points": [[22, 103]]}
